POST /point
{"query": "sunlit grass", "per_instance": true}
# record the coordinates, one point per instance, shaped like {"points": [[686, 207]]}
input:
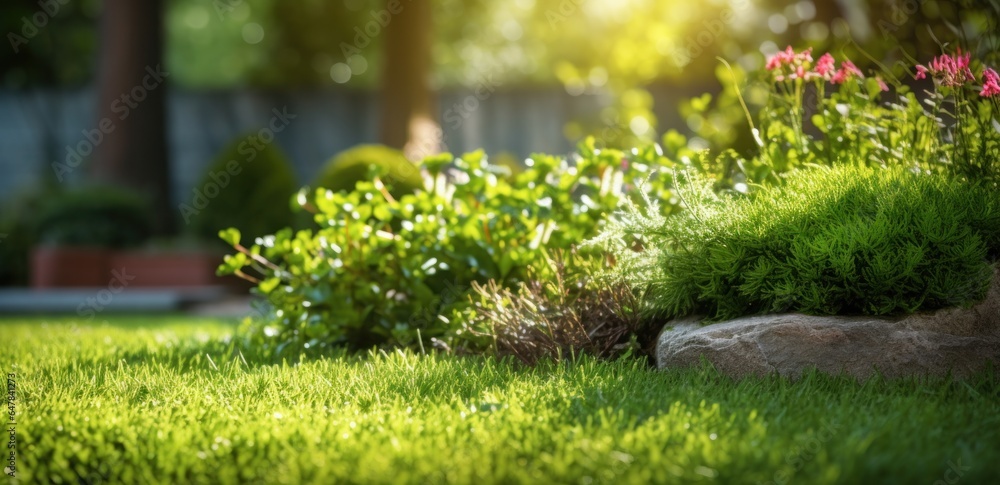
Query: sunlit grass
{"points": [[169, 400]]}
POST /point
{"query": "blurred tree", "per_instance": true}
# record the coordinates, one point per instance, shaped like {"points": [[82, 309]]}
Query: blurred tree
{"points": [[129, 136], [365, 44], [408, 119]]}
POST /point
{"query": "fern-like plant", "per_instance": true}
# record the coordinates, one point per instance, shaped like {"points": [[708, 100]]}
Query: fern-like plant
{"points": [[844, 240]]}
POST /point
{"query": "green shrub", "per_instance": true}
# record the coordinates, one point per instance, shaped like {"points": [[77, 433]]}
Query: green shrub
{"points": [[831, 241], [93, 216], [18, 233], [257, 199], [383, 270], [351, 166]]}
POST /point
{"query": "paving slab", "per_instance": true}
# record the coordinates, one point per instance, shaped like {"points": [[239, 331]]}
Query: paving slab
{"points": [[84, 300]]}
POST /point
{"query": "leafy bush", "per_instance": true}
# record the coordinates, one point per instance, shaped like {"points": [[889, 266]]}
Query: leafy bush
{"points": [[18, 233], [257, 197], [351, 166], [400, 250], [94, 216], [831, 241], [383, 270]]}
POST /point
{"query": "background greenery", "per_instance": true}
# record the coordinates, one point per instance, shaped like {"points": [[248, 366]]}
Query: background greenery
{"points": [[620, 48], [256, 200]]}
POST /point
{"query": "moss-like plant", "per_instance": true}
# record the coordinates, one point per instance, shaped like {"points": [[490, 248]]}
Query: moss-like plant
{"points": [[351, 166], [250, 190], [845, 240]]}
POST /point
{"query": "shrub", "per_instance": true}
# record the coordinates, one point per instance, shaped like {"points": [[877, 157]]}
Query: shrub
{"points": [[18, 233], [351, 166], [257, 199], [831, 241], [383, 270], [93, 216]]}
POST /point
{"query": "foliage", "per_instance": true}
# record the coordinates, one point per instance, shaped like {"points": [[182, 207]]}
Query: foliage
{"points": [[562, 315], [93, 216], [48, 43], [95, 402], [619, 50], [383, 270], [351, 166], [18, 234], [718, 121], [831, 241], [255, 189]]}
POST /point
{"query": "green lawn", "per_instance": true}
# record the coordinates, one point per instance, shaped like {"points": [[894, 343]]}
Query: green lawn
{"points": [[169, 400]]}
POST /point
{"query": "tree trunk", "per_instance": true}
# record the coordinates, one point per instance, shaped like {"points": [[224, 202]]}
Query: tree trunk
{"points": [[132, 149], [408, 120]]}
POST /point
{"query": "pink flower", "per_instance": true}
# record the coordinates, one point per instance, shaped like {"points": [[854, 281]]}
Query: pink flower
{"points": [[947, 70], [847, 71], [825, 66], [781, 58], [881, 84], [805, 56], [990, 90], [990, 75], [991, 84], [774, 62], [790, 64]]}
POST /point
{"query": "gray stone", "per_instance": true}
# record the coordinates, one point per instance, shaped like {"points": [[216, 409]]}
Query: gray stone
{"points": [[960, 340]]}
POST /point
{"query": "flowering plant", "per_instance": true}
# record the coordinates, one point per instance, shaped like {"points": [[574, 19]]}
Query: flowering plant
{"points": [[957, 134], [972, 102]]}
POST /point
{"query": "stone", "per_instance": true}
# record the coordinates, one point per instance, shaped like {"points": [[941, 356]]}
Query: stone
{"points": [[960, 340]]}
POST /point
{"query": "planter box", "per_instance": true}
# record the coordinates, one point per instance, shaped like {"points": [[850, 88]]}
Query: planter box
{"points": [[168, 269], [74, 267], [61, 267]]}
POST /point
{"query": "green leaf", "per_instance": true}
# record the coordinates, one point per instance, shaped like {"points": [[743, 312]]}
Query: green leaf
{"points": [[268, 285], [232, 263], [231, 236]]}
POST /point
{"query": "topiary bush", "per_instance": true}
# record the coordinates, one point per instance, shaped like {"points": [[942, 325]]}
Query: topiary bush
{"points": [[93, 216], [845, 240], [255, 190], [351, 166]]}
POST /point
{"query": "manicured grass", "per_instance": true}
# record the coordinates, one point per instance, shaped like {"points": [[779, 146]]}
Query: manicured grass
{"points": [[168, 400]]}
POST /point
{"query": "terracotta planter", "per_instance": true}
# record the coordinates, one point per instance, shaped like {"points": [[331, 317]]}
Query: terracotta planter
{"points": [[168, 269], [53, 267]]}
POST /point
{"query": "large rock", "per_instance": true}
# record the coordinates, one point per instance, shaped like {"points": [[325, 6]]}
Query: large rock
{"points": [[962, 340]]}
